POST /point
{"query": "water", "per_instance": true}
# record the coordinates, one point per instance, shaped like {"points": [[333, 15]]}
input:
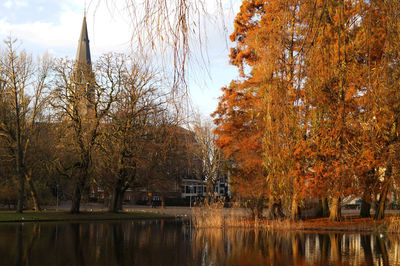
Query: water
{"points": [[173, 243]]}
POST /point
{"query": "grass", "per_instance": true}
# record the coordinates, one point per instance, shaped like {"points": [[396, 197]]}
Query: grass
{"points": [[31, 216]]}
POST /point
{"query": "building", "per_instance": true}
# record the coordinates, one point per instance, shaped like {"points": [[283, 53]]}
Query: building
{"points": [[82, 78]]}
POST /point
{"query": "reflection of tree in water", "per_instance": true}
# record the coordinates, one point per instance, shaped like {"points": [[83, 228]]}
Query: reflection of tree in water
{"points": [[336, 247], [117, 238], [366, 246], [248, 247], [253, 247], [324, 246], [19, 233], [381, 251], [164, 243], [76, 236]]}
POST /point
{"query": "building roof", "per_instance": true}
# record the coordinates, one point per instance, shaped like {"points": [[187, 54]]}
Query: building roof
{"points": [[83, 53]]}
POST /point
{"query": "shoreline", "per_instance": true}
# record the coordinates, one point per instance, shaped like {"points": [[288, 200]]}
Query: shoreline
{"points": [[350, 223], [62, 216]]}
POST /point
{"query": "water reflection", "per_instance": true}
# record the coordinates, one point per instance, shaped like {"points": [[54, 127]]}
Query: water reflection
{"points": [[172, 243]]}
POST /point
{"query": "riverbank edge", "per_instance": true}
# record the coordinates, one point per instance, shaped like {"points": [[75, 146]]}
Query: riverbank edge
{"points": [[209, 218], [322, 225], [46, 216]]}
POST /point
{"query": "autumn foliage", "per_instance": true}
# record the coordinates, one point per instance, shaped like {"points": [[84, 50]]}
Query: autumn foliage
{"points": [[315, 111]]}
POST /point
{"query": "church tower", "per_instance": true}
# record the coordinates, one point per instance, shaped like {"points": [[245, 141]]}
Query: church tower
{"points": [[82, 76]]}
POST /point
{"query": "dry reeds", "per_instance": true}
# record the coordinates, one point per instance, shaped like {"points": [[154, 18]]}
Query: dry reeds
{"points": [[394, 225], [214, 215]]}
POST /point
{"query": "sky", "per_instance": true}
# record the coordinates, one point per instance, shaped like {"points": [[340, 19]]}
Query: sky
{"points": [[54, 26]]}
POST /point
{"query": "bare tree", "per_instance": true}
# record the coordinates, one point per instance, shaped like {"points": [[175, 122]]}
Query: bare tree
{"points": [[167, 157], [21, 111], [84, 99], [124, 138], [207, 152]]}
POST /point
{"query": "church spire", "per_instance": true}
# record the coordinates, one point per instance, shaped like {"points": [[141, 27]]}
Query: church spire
{"points": [[83, 53]]}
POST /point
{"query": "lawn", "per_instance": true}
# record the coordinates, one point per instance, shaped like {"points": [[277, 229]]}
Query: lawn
{"points": [[31, 216]]}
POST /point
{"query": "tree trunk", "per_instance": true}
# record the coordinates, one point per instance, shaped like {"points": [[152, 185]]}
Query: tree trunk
{"points": [[114, 200], [380, 212], [21, 192], [34, 196], [76, 199], [256, 206], [365, 206], [279, 209], [162, 201], [21, 177], [271, 214], [120, 200], [325, 207], [335, 213], [295, 211]]}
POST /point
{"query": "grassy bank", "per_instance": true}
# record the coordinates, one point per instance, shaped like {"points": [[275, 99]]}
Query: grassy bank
{"points": [[30, 216], [213, 217]]}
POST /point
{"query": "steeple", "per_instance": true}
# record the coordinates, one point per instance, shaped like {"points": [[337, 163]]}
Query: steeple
{"points": [[83, 53], [83, 76]]}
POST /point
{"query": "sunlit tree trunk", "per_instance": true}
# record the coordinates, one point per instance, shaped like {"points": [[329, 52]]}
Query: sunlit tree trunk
{"points": [[335, 212], [33, 192], [380, 212], [295, 210]]}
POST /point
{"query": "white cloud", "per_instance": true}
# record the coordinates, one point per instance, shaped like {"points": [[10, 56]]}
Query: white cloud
{"points": [[8, 4], [21, 3], [113, 32], [15, 4], [106, 33]]}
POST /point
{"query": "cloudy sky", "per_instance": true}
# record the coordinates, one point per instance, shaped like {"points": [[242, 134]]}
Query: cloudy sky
{"points": [[54, 26]]}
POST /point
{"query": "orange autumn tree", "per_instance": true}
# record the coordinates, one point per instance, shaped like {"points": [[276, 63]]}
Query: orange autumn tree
{"points": [[323, 79], [383, 100], [271, 49], [239, 130], [279, 45], [332, 90], [370, 40]]}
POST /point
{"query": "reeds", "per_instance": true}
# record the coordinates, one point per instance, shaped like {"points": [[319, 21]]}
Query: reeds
{"points": [[208, 215], [214, 215], [394, 224]]}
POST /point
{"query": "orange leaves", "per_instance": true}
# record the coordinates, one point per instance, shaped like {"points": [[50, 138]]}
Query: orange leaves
{"points": [[319, 106]]}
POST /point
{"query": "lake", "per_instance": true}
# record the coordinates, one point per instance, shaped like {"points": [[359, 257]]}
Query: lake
{"points": [[169, 242]]}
